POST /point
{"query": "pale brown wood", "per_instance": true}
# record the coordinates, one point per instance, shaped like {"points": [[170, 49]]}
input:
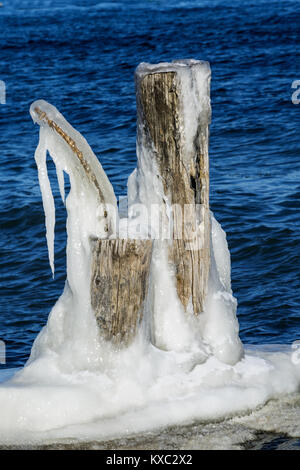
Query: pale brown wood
{"points": [[120, 268], [119, 286], [159, 103]]}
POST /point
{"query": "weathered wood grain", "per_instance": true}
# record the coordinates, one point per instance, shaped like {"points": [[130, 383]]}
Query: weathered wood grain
{"points": [[120, 268], [119, 286], [186, 183]]}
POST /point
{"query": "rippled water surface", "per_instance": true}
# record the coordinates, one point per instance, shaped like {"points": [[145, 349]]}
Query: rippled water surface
{"points": [[80, 56]]}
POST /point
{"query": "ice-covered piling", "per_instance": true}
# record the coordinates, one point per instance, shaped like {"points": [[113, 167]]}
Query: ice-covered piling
{"points": [[173, 112], [173, 106], [155, 270]]}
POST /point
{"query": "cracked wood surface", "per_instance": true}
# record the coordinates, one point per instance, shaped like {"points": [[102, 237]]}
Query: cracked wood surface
{"points": [[119, 286], [120, 268], [185, 183]]}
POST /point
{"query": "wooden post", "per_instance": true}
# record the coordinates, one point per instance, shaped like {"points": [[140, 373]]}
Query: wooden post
{"points": [[179, 139], [173, 118]]}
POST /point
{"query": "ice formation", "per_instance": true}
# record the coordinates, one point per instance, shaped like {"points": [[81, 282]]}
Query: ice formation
{"points": [[178, 369], [90, 185], [71, 331], [217, 326]]}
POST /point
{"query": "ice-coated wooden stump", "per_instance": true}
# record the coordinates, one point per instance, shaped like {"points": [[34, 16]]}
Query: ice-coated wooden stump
{"points": [[173, 119], [173, 116], [144, 273]]}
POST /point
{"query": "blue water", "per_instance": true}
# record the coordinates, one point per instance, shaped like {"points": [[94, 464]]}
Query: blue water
{"points": [[80, 56]]}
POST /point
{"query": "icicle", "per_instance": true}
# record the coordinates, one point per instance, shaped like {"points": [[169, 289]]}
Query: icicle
{"points": [[61, 182], [47, 196], [72, 154]]}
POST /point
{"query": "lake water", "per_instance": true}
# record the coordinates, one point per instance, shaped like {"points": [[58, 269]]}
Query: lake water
{"points": [[80, 56]]}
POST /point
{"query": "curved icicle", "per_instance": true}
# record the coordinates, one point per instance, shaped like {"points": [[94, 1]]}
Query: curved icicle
{"points": [[71, 153], [47, 196]]}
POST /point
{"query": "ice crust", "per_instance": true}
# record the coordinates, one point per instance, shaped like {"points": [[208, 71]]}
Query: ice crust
{"points": [[145, 389]]}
